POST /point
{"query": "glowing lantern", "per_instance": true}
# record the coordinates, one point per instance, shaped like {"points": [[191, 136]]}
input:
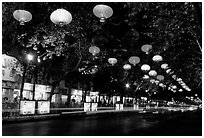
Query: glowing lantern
{"points": [[168, 70], [22, 16], [174, 76], [112, 61], [180, 90], [146, 48], [145, 67], [152, 80], [61, 17], [127, 66], [164, 66], [157, 58], [103, 12], [152, 73], [161, 84], [145, 77], [160, 77], [134, 60], [174, 87], [156, 81], [94, 50]]}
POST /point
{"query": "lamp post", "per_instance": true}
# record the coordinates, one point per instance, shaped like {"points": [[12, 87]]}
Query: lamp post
{"points": [[29, 58]]}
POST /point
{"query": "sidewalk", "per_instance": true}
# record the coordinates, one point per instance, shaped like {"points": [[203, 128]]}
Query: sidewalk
{"points": [[68, 114]]}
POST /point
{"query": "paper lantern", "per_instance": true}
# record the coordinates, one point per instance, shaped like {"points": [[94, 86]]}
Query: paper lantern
{"points": [[103, 12], [168, 70], [164, 66], [152, 80], [157, 58], [174, 87], [94, 50], [146, 48], [112, 61], [152, 73], [61, 17], [134, 60], [145, 77], [160, 77], [127, 66], [145, 67], [22, 16]]}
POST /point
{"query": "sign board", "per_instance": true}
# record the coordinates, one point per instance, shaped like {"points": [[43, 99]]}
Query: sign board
{"points": [[94, 106], [87, 107], [27, 107], [119, 107], [43, 107]]}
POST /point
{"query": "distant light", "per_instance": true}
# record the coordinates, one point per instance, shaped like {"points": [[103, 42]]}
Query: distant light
{"points": [[30, 57], [127, 85]]}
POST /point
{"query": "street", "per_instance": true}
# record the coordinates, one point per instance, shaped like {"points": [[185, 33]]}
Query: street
{"points": [[131, 124]]}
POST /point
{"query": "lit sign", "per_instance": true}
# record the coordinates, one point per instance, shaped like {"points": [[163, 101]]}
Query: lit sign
{"points": [[27, 107], [87, 107], [43, 107], [94, 106]]}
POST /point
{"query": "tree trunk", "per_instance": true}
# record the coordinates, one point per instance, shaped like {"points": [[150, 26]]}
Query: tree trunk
{"points": [[52, 92], [69, 95], [23, 80]]}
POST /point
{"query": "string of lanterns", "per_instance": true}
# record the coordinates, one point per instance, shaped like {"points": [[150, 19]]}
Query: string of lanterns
{"points": [[63, 17]]}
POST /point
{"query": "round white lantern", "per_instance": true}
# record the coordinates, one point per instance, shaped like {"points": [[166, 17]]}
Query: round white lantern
{"points": [[157, 58], [160, 77], [168, 70], [146, 48], [127, 66], [152, 80], [134, 60], [152, 73], [145, 77], [61, 17], [112, 61], [164, 66], [22, 16], [103, 12], [145, 67], [94, 50]]}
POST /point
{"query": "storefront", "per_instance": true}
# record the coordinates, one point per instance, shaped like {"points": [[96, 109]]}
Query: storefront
{"points": [[11, 74], [41, 91]]}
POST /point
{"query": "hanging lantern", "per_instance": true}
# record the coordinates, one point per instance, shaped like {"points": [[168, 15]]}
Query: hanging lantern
{"points": [[164, 66], [134, 60], [152, 80], [173, 76], [160, 77], [94, 50], [145, 77], [127, 66], [61, 17], [146, 48], [112, 61], [22, 16], [174, 87], [152, 73], [157, 58], [103, 12], [178, 79], [156, 81], [168, 70], [145, 67], [161, 84], [180, 90]]}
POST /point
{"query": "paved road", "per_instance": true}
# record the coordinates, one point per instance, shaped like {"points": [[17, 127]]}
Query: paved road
{"points": [[133, 124]]}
